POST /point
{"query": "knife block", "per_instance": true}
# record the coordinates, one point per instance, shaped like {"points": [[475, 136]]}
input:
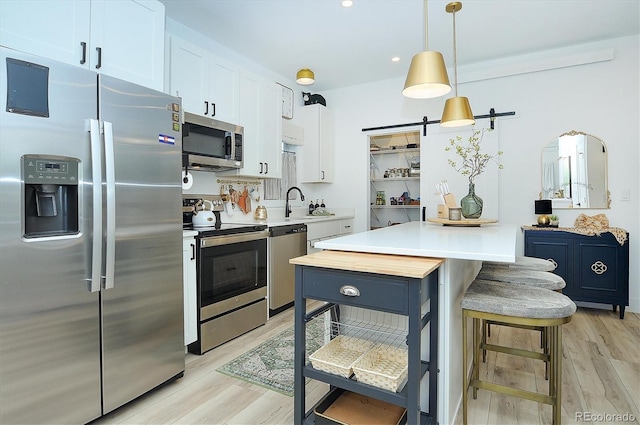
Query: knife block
{"points": [[443, 211], [449, 202]]}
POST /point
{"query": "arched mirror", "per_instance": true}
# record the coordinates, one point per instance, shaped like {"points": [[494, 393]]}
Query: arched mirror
{"points": [[574, 172]]}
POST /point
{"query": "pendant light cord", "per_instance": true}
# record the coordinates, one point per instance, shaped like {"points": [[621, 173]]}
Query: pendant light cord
{"points": [[455, 54], [426, 31]]}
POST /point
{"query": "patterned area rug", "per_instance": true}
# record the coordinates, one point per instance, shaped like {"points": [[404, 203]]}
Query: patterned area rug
{"points": [[270, 364]]}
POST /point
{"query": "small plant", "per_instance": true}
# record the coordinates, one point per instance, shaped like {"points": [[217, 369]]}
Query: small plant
{"points": [[473, 161], [554, 218]]}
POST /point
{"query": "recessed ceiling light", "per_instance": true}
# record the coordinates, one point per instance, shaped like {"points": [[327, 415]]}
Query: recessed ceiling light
{"points": [[395, 59], [347, 3]]}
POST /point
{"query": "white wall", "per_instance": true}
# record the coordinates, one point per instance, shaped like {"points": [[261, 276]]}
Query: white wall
{"points": [[600, 98], [592, 88]]}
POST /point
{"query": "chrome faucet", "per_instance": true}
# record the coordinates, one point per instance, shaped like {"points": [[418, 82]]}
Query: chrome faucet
{"points": [[287, 208]]}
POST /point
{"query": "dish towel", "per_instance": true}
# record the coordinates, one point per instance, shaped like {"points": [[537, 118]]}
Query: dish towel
{"points": [[276, 188]]}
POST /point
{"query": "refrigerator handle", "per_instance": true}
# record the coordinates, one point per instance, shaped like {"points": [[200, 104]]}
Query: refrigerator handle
{"points": [[109, 161], [96, 166]]}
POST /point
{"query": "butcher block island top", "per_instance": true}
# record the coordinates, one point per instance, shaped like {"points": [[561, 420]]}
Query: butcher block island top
{"points": [[394, 265]]}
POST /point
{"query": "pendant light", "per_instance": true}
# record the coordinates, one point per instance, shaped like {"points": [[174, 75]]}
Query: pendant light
{"points": [[305, 77], [427, 76], [457, 111]]}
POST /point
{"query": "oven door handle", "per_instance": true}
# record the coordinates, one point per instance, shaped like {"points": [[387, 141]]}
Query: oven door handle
{"points": [[229, 239]]}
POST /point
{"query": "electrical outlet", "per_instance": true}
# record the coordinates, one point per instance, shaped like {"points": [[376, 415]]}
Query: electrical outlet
{"points": [[625, 195]]}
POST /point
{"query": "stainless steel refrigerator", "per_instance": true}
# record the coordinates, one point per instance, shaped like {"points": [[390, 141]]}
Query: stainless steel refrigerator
{"points": [[91, 310]]}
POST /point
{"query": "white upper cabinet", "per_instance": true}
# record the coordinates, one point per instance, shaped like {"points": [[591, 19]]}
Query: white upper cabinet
{"points": [[207, 84], [317, 152], [130, 35], [124, 39], [259, 114]]}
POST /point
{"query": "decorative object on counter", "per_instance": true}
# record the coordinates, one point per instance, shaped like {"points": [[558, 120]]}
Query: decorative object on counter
{"points": [[471, 203], [270, 364], [590, 226], [554, 220], [455, 214], [543, 208], [427, 76], [321, 211], [457, 111], [305, 77], [260, 213], [312, 207], [473, 164], [473, 222]]}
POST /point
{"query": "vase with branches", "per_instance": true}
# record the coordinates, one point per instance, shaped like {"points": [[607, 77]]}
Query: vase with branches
{"points": [[472, 163]]}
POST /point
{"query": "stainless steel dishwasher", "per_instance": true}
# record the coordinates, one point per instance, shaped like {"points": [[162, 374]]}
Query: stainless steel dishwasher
{"points": [[285, 242]]}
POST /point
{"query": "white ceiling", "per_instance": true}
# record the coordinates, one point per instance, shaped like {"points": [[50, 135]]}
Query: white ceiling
{"points": [[352, 46]]}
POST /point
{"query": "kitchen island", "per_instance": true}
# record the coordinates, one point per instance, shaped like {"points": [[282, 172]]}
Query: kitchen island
{"points": [[463, 249]]}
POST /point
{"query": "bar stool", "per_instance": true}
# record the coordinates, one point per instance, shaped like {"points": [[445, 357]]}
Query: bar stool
{"points": [[526, 277], [524, 263], [516, 305]]}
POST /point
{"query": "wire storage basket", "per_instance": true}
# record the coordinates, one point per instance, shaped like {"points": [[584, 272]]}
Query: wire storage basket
{"points": [[384, 367], [338, 356]]}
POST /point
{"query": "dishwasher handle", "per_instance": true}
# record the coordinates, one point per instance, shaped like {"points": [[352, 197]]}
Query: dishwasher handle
{"points": [[287, 230]]}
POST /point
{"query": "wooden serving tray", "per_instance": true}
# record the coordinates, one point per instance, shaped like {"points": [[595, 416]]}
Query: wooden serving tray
{"points": [[465, 222]]}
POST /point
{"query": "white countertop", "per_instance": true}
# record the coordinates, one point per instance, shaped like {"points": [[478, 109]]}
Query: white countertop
{"points": [[275, 217], [491, 242], [189, 233]]}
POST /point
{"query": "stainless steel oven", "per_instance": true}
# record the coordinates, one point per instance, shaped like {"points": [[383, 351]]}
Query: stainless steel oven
{"points": [[231, 263]]}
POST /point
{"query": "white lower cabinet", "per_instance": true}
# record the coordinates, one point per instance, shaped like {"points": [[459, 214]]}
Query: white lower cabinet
{"points": [[323, 230], [123, 39], [190, 290]]}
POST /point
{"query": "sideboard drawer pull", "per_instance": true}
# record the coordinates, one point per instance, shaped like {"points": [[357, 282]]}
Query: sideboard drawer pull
{"points": [[599, 267], [350, 291]]}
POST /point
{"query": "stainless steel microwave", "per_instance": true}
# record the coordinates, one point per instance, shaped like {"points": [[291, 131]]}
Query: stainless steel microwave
{"points": [[211, 145]]}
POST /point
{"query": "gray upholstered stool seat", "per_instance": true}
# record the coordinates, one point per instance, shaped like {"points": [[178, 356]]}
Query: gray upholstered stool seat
{"points": [[516, 300], [515, 305], [527, 263], [531, 278]]}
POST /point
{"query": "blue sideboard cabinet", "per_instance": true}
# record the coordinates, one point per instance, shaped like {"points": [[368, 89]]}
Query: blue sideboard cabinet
{"points": [[595, 268]]}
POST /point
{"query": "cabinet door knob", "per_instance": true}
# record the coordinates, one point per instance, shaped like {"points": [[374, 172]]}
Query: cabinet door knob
{"points": [[206, 107], [99, 64], [350, 291]]}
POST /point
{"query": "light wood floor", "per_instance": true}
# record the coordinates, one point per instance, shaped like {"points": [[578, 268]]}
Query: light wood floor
{"points": [[601, 376]]}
